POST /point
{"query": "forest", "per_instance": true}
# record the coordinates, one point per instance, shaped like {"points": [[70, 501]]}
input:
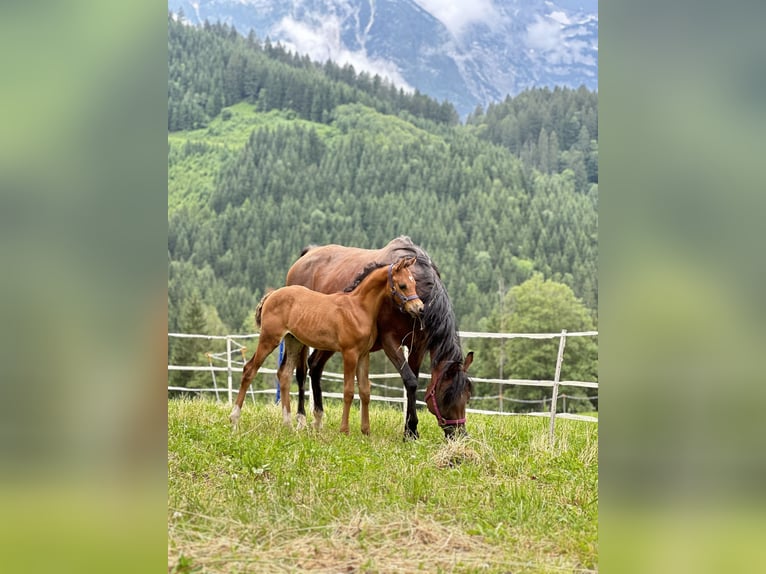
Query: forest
{"points": [[269, 152]]}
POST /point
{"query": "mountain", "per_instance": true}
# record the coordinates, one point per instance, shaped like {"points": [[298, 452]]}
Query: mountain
{"points": [[474, 54]]}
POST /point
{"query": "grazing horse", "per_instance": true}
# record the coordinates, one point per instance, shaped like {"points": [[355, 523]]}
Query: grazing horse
{"points": [[339, 322], [329, 268]]}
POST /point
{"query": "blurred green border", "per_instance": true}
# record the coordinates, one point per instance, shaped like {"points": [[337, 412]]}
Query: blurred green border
{"points": [[681, 188], [83, 237]]}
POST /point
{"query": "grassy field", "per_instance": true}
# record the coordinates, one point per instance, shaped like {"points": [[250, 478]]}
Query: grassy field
{"points": [[272, 499]]}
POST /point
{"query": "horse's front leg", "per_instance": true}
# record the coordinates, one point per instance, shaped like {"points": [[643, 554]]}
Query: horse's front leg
{"points": [[350, 360], [393, 351], [363, 379]]}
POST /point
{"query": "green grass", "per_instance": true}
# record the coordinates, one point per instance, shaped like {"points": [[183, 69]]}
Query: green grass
{"points": [[274, 499], [243, 119]]}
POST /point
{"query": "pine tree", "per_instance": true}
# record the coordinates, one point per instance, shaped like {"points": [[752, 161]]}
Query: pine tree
{"points": [[191, 351]]}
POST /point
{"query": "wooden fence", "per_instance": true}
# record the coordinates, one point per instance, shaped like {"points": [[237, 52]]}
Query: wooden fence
{"points": [[229, 363]]}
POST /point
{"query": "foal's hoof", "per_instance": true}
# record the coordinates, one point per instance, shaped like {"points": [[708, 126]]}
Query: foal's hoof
{"points": [[300, 422], [234, 420]]}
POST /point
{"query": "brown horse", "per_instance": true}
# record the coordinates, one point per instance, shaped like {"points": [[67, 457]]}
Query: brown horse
{"points": [[330, 267], [339, 322]]}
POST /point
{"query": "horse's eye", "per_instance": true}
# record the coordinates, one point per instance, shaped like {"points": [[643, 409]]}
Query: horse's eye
{"points": [[403, 286]]}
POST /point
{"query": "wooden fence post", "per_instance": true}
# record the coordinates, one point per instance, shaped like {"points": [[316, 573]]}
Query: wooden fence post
{"points": [[406, 352], [556, 377], [228, 367]]}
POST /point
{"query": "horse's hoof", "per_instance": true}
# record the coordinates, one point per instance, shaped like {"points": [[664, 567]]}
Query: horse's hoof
{"points": [[410, 435], [300, 422]]}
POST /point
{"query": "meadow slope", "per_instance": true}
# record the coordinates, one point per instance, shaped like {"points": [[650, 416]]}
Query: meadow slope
{"points": [[272, 499]]}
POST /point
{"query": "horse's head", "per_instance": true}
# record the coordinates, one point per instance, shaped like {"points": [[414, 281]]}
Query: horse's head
{"points": [[403, 286], [448, 394]]}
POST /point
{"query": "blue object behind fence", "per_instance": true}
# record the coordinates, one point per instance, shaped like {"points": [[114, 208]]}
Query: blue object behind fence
{"points": [[279, 363]]}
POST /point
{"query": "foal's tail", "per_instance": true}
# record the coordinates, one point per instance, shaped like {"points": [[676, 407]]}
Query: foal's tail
{"points": [[259, 308], [306, 249]]}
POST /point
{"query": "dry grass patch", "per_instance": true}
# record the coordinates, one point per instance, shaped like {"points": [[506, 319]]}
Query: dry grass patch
{"points": [[379, 543]]}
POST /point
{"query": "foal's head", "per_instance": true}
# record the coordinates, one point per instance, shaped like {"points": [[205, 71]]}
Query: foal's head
{"points": [[402, 285]]}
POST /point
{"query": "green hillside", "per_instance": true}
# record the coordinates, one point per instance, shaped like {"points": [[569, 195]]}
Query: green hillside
{"points": [[285, 152]]}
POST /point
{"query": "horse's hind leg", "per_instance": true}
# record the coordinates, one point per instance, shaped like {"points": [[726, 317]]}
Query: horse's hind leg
{"points": [[300, 375], [265, 347], [317, 361], [363, 379]]}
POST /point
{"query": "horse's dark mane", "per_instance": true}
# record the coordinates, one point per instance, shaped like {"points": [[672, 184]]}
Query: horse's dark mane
{"points": [[363, 275], [443, 341], [438, 318]]}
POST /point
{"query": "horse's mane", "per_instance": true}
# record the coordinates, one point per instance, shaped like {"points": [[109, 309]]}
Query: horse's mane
{"points": [[363, 275], [438, 316]]}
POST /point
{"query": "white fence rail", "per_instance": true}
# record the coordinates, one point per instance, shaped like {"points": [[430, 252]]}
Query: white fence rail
{"points": [[554, 385]]}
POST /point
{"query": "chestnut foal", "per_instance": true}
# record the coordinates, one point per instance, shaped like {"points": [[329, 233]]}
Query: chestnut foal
{"points": [[340, 322]]}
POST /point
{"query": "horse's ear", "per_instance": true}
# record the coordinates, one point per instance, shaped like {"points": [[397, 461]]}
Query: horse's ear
{"points": [[467, 361], [410, 261]]}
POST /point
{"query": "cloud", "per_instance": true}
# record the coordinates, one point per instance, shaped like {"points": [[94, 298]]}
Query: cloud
{"points": [[456, 15], [321, 40], [547, 37]]}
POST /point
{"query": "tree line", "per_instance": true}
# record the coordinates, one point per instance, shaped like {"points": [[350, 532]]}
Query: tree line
{"points": [[214, 67]]}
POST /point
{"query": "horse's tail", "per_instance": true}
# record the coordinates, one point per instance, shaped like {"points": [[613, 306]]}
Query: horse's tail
{"points": [[306, 249], [259, 308]]}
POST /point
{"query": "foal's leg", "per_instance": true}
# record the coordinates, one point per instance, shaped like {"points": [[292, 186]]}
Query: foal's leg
{"points": [[317, 361], [363, 379], [266, 345], [350, 359], [284, 373], [293, 350]]}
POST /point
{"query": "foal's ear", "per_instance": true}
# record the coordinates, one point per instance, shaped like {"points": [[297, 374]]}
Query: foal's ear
{"points": [[467, 361], [403, 263]]}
